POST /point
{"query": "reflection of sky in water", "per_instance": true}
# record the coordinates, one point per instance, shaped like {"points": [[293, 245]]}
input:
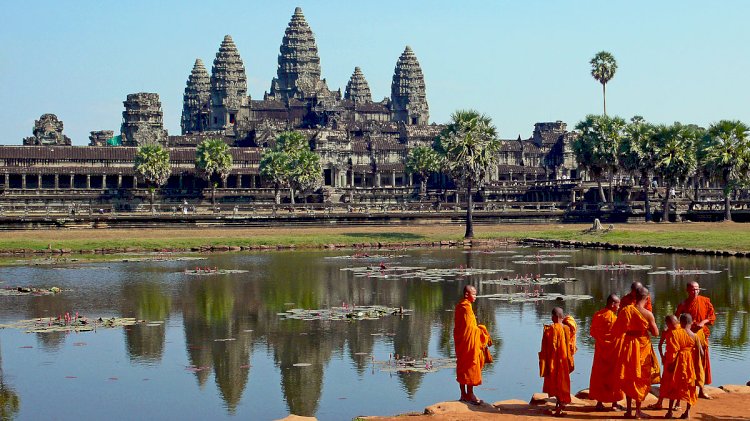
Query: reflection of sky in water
{"points": [[339, 384]]}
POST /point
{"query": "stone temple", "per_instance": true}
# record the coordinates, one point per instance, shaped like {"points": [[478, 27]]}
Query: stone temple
{"points": [[362, 143]]}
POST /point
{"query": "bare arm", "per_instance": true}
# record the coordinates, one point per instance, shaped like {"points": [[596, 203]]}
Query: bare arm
{"points": [[652, 324]]}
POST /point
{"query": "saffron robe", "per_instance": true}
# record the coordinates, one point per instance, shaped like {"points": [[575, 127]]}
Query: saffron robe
{"points": [[637, 368], [556, 361], [701, 309], [666, 376], [603, 384], [700, 363], [630, 298], [679, 367], [471, 341]]}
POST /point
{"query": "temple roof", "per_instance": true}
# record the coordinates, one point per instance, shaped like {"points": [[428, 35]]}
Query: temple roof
{"points": [[357, 88], [408, 80], [228, 79]]}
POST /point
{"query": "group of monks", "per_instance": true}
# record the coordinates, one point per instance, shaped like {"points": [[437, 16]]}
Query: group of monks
{"points": [[625, 364]]}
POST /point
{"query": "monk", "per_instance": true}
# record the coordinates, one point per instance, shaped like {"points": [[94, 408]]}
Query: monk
{"points": [[556, 360], [630, 297], [636, 365], [679, 358], [471, 342], [702, 312], [603, 386], [671, 324]]}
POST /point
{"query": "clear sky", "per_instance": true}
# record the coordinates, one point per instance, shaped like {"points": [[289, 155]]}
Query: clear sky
{"points": [[520, 62]]}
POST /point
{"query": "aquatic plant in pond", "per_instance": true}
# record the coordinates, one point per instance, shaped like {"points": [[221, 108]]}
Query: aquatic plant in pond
{"points": [[350, 313], [527, 281], [684, 272], [68, 324], [530, 297], [613, 267]]}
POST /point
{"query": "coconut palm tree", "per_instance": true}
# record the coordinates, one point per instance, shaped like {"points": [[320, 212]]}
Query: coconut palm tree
{"points": [[603, 68], [597, 148], [675, 159], [638, 155], [152, 163], [213, 159], [276, 167], [469, 146], [727, 152], [423, 161]]}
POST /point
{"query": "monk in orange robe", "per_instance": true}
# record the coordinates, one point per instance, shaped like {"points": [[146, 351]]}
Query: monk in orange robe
{"points": [[702, 312], [636, 366], [556, 360], [630, 297], [672, 324], [471, 341], [603, 386], [679, 365]]}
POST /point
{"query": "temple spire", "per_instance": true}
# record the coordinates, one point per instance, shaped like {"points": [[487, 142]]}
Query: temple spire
{"points": [[408, 93], [357, 89], [228, 85], [196, 100]]}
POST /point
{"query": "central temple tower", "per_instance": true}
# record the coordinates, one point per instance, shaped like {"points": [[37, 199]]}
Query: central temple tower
{"points": [[408, 93]]}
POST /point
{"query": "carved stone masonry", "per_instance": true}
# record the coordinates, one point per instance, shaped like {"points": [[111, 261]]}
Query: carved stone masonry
{"points": [[228, 86], [408, 92], [196, 100], [142, 120], [357, 89], [48, 130]]}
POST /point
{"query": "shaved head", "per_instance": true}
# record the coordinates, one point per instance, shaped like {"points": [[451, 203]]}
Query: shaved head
{"points": [[470, 289], [686, 319], [671, 320], [635, 285], [557, 312], [641, 293], [612, 298]]}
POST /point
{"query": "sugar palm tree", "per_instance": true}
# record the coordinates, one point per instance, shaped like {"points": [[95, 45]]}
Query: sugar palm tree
{"points": [[152, 163], [603, 68], [727, 152], [423, 161], [597, 148], [213, 159], [675, 159], [276, 167], [306, 172], [470, 147], [638, 155]]}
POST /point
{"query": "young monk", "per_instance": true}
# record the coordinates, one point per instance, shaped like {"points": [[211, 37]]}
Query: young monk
{"points": [[630, 297], [636, 361], [702, 312], [603, 386], [471, 341], [671, 324], [556, 361], [679, 357]]}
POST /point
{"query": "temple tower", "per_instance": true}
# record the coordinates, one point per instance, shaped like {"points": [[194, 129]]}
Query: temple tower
{"points": [[298, 72], [408, 95], [142, 120], [228, 86], [196, 102], [48, 131], [357, 89]]}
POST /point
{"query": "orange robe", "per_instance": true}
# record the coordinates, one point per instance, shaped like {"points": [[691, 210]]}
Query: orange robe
{"points": [[603, 385], [556, 361], [630, 298], [637, 368], [471, 341], [701, 309], [679, 366], [700, 364], [667, 373]]}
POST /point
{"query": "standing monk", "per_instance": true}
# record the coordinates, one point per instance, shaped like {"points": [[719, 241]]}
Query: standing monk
{"points": [[679, 358], [471, 341], [603, 385], [702, 312], [556, 360], [630, 297], [636, 365]]}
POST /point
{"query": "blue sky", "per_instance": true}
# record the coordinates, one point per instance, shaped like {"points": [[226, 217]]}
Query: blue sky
{"points": [[520, 62]]}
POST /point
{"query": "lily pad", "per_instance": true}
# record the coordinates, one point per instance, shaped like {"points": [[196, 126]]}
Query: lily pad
{"points": [[684, 272], [349, 313], [522, 297], [50, 324], [15, 291], [613, 267], [528, 281], [420, 365], [539, 262], [201, 272]]}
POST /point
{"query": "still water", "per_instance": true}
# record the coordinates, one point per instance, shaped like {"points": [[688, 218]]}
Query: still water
{"points": [[224, 352]]}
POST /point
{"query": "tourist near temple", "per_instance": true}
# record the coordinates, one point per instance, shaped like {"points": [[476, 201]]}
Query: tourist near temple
{"points": [[362, 143]]}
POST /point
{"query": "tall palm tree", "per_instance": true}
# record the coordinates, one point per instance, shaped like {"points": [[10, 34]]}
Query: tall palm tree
{"points": [[152, 163], [638, 155], [470, 147], [727, 153], [307, 173], [597, 148], [213, 158], [423, 161], [276, 167], [675, 159], [603, 68]]}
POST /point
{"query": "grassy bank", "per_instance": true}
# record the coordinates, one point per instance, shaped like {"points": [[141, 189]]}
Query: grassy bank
{"points": [[723, 236]]}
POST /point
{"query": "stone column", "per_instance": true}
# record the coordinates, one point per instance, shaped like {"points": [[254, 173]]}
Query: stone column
{"points": [[135, 182], [252, 181], [38, 181], [364, 179], [239, 181], [411, 179], [7, 180], [119, 181], [572, 196], [57, 181], [224, 182], [352, 181], [104, 182], [23, 181], [180, 181], [72, 181], [333, 177], [377, 179], [393, 178]]}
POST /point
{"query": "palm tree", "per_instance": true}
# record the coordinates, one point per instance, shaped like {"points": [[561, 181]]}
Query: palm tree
{"points": [[675, 159], [727, 152], [307, 173], [276, 167], [423, 161], [597, 148], [152, 163], [293, 164], [638, 155], [603, 68], [469, 146], [213, 159]]}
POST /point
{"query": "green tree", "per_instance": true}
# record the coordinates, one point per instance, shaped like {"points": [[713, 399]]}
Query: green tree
{"points": [[423, 161], [638, 155], [291, 164], [276, 167], [597, 148], [307, 173], [603, 68], [675, 158], [727, 153], [469, 147], [152, 164], [213, 159]]}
